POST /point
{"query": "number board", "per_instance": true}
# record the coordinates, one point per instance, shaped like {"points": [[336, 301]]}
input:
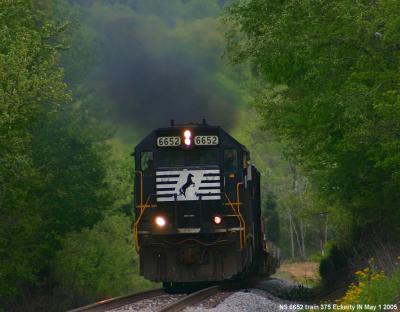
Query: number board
{"points": [[168, 141], [206, 140]]}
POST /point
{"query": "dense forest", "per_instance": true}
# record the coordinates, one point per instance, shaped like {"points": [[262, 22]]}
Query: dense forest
{"points": [[311, 88], [328, 90], [329, 75]]}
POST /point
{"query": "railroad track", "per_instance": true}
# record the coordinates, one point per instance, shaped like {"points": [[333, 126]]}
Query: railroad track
{"points": [[190, 300], [177, 305], [114, 303]]}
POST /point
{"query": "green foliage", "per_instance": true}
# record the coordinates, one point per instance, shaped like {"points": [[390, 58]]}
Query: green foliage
{"points": [[382, 291], [284, 189], [332, 95], [31, 88], [99, 262], [298, 292], [265, 151], [374, 288], [71, 160], [272, 225], [333, 266], [53, 155], [120, 177]]}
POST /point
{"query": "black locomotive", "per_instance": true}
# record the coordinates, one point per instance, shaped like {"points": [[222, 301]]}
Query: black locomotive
{"points": [[197, 207]]}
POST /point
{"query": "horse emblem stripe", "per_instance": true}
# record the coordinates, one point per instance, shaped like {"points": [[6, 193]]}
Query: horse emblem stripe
{"points": [[188, 184]]}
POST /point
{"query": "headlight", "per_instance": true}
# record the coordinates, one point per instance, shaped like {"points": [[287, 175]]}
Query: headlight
{"points": [[217, 220], [187, 134], [160, 221]]}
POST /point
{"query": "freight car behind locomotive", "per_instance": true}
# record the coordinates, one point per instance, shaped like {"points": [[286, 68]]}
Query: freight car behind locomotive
{"points": [[197, 207]]}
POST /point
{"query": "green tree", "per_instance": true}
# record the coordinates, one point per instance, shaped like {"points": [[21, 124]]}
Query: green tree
{"points": [[31, 87], [99, 262], [331, 71], [53, 155], [286, 195], [272, 227]]}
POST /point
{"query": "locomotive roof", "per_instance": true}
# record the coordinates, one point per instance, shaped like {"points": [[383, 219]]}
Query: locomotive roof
{"points": [[202, 126]]}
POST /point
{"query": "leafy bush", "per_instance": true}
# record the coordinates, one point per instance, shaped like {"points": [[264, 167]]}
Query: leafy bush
{"points": [[373, 287], [298, 292], [100, 262], [331, 96], [333, 266]]}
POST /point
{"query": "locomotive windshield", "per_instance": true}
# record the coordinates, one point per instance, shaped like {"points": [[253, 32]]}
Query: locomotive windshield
{"points": [[230, 160], [194, 157], [146, 161]]}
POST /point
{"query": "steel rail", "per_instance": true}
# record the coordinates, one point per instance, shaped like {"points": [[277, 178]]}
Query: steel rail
{"points": [[117, 302], [191, 299]]}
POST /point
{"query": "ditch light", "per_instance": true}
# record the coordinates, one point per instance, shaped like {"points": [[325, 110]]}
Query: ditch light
{"points": [[160, 221], [217, 220]]}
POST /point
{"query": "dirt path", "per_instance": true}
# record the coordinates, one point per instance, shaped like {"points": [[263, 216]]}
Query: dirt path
{"points": [[300, 271]]}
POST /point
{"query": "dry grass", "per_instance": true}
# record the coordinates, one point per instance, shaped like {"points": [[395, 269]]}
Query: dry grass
{"points": [[305, 273]]}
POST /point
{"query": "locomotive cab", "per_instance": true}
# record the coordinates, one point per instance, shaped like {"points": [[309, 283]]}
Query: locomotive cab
{"points": [[197, 206]]}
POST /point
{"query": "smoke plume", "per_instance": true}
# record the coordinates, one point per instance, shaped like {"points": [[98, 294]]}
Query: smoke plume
{"points": [[153, 65]]}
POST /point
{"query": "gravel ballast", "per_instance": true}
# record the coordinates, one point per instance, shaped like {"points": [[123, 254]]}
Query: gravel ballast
{"points": [[248, 300], [148, 305]]}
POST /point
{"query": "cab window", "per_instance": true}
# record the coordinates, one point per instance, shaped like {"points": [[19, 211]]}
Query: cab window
{"points": [[202, 157], [177, 158], [146, 161], [230, 160]]}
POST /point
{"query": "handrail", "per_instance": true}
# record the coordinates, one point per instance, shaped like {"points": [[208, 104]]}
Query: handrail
{"points": [[238, 194], [135, 226], [142, 209], [241, 223], [141, 187], [238, 210]]}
